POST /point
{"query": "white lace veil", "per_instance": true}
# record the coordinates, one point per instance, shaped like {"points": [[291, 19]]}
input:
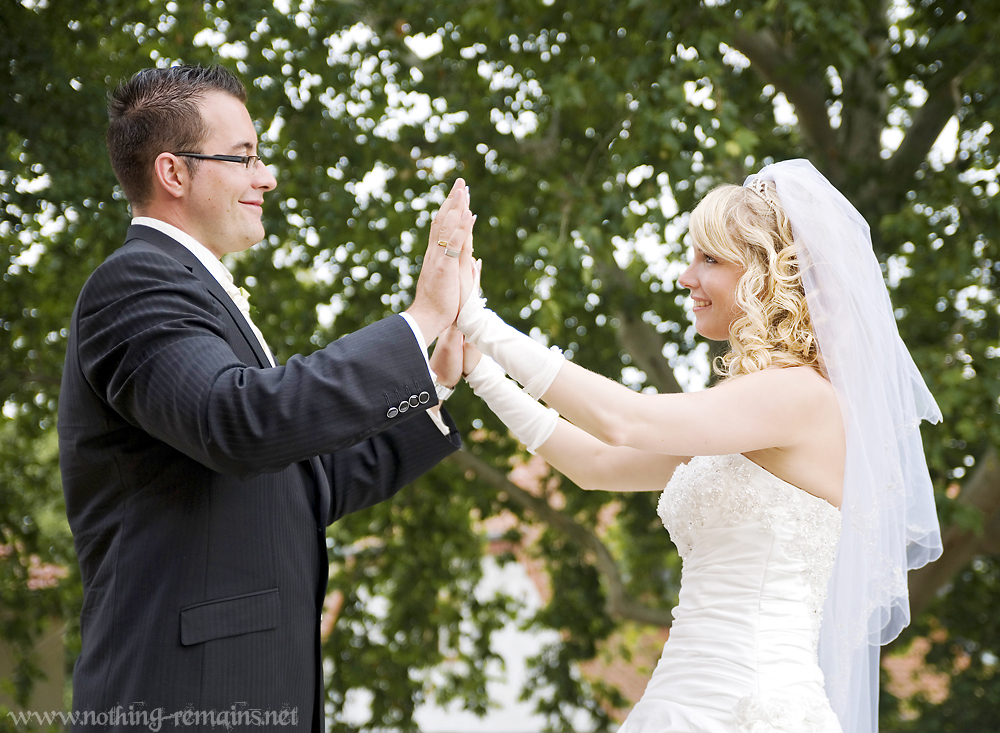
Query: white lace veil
{"points": [[888, 517]]}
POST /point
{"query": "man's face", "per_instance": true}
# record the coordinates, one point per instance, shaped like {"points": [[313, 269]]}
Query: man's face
{"points": [[225, 204]]}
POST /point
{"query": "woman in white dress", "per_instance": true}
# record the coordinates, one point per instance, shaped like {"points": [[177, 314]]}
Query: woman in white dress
{"points": [[796, 489]]}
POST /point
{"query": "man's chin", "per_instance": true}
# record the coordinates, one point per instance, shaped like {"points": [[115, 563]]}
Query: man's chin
{"points": [[254, 238]]}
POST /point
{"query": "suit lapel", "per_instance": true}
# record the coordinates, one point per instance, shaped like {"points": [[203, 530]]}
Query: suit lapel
{"points": [[187, 258], [320, 489]]}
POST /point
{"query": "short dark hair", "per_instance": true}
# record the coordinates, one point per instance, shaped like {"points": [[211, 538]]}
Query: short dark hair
{"points": [[157, 111]]}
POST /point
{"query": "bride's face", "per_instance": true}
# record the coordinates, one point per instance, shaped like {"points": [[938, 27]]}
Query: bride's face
{"points": [[713, 292]]}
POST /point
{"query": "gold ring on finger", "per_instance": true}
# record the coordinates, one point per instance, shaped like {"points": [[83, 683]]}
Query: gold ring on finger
{"points": [[443, 242]]}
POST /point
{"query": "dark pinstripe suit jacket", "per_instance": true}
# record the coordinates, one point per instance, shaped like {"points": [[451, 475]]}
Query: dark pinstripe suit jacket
{"points": [[199, 485]]}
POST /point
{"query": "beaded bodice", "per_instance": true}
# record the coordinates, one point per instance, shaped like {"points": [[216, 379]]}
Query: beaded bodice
{"points": [[742, 656], [731, 491]]}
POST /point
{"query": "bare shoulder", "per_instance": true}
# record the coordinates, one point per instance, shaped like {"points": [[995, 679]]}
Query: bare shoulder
{"points": [[800, 398], [801, 384], [806, 380], [806, 389], [813, 459]]}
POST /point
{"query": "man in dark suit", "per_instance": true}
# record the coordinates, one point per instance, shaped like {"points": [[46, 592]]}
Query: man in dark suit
{"points": [[200, 477]]}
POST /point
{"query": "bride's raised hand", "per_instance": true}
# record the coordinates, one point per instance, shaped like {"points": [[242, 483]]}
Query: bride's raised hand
{"points": [[469, 269], [447, 361], [470, 358], [523, 358]]}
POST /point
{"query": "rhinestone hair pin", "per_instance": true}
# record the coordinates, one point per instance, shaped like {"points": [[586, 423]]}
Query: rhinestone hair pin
{"points": [[760, 187]]}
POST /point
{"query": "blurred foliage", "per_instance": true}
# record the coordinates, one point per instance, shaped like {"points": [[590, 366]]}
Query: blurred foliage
{"points": [[965, 630], [586, 131]]}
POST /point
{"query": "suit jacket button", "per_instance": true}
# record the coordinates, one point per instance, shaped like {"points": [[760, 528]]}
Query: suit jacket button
{"points": [[414, 400], [404, 406], [392, 412], [424, 398]]}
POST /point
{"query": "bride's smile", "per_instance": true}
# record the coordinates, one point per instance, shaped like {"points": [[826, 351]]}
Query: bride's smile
{"points": [[712, 283]]}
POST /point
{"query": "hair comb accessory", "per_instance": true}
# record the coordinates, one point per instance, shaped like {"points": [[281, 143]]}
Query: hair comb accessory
{"points": [[759, 186]]}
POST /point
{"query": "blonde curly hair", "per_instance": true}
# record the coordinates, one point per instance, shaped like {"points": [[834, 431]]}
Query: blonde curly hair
{"points": [[749, 228]]}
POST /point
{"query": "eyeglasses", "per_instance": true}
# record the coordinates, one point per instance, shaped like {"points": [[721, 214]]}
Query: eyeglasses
{"points": [[249, 161]]}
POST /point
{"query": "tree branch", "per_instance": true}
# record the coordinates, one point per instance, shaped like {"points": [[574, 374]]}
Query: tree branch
{"points": [[981, 491], [780, 67], [645, 345], [941, 104], [618, 604], [642, 342], [943, 101]]}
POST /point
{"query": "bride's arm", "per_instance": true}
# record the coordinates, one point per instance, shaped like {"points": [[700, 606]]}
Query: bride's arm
{"points": [[578, 455], [592, 464], [771, 408]]}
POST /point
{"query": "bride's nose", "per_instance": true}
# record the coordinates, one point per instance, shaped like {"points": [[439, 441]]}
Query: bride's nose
{"points": [[687, 278]]}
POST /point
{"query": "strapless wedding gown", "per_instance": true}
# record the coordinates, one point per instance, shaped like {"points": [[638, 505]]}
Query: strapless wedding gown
{"points": [[757, 553]]}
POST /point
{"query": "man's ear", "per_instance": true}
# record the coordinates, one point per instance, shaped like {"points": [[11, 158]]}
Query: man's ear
{"points": [[171, 174]]}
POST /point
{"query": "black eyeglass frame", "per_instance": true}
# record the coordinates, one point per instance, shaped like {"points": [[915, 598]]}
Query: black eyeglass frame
{"points": [[249, 161]]}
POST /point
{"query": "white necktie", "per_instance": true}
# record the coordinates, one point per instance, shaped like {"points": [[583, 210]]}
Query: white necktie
{"points": [[241, 298]]}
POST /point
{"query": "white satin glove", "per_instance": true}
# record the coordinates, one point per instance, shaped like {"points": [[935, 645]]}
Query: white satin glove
{"points": [[523, 358], [530, 423]]}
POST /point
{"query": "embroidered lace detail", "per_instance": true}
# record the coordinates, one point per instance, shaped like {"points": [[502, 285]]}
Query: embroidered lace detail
{"points": [[785, 714], [741, 492]]}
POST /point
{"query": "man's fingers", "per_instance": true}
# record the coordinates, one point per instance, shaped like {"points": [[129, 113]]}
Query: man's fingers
{"points": [[449, 235], [457, 198], [456, 238], [448, 204]]}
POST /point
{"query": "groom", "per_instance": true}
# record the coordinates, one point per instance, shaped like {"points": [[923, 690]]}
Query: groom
{"points": [[199, 475]]}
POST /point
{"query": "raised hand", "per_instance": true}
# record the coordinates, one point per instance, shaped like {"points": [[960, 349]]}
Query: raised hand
{"points": [[469, 271], [437, 299], [470, 357], [447, 359]]}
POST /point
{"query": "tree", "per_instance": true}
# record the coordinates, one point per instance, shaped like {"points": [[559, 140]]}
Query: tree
{"points": [[587, 133]]}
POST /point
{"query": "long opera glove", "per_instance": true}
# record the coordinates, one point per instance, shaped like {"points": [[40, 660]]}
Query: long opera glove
{"points": [[523, 358], [530, 423]]}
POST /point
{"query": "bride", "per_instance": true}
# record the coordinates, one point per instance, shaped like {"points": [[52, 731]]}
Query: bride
{"points": [[796, 489]]}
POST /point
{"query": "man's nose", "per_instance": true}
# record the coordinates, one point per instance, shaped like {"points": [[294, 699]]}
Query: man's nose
{"points": [[263, 178]]}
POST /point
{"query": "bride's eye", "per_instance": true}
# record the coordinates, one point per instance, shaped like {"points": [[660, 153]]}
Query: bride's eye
{"points": [[710, 260]]}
